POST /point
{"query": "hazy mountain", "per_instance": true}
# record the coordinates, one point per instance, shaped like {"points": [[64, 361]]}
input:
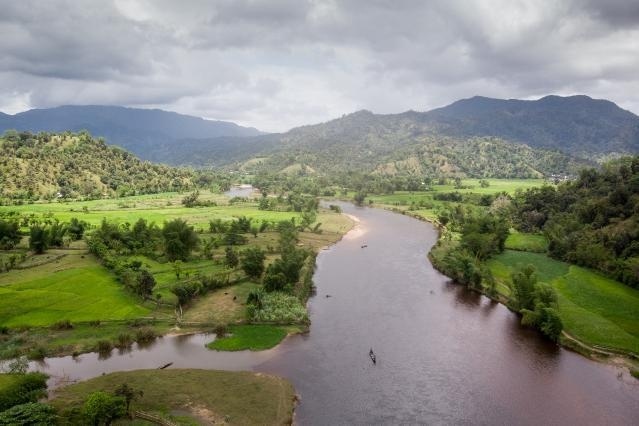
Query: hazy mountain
{"points": [[575, 124], [477, 136], [140, 131]]}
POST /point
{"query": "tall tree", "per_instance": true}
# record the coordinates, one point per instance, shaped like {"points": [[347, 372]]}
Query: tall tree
{"points": [[180, 239]]}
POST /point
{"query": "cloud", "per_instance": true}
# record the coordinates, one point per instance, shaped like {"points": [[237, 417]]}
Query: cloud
{"points": [[274, 64]]}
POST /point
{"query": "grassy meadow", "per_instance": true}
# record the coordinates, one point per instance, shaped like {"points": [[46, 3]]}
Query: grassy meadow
{"points": [[252, 337], [75, 288], [192, 396], [594, 309]]}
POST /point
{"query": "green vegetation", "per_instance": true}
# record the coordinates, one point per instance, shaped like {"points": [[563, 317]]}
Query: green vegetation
{"points": [[60, 166], [390, 146], [593, 308], [75, 288], [139, 272], [592, 221], [187, 396], [251, 337], [21, 388], [527, 242]]}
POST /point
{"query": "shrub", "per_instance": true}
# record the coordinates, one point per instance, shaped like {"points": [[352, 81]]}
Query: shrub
{"points": [[31, 413], [104, 346], [37, 353], [26, 388], [279, 308], [102, 407], [145, 335], [124, 340], [62, 325]]}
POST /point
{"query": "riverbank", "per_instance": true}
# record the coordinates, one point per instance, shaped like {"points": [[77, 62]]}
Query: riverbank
{"points": [[189, 396], [616, 357]]}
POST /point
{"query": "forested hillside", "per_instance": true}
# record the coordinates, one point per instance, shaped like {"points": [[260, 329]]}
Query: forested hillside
{"points": [[592, 221], [398, 145], [68, 165]]}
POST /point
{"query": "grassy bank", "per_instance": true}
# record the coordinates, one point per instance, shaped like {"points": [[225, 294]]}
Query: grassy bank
{"points": [[594, 309], [255, 337], [193, 396]]}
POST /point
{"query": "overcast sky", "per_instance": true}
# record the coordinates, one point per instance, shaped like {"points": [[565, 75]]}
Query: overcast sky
{"points": [[275, 64]]}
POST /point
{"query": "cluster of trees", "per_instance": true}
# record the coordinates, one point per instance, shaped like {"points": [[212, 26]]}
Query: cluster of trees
{"points": [[112, 242], [41, 235], [19, 397], [482, 235], [9, 234], [537, 302], [592, 221]]}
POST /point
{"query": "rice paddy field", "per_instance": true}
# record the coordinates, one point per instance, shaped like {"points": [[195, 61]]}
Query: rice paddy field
{"points": [[75, 288], [594, 309]]}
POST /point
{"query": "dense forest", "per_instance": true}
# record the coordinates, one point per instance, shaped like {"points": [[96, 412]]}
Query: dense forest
{"points": [[592, 221], [73, 165]]}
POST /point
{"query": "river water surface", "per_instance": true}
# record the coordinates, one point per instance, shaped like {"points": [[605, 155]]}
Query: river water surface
{"points": [[444, 355]]}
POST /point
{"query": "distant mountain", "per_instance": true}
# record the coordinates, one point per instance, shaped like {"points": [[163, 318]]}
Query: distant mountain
{"points": [[476, 137], [577, 125], [141, 131], [400, 144]]}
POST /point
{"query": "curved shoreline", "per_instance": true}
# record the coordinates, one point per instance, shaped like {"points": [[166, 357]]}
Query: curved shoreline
{"points": [[608, 356]]}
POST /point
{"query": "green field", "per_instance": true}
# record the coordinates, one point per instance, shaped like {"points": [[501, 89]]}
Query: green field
{"points": [[193, 396], [422, 204], [75, 288], [8, 380], [156, 208], [526, 242], [251, 337], [595, 309]]}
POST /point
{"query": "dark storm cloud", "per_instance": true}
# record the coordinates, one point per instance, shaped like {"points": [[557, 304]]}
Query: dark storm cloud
{"points": [[275, 64]]}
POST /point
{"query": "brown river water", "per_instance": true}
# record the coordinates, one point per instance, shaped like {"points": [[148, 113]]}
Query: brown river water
{"points": [[444, 355]]}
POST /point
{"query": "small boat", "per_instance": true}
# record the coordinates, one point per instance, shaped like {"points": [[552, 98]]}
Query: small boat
{"points": [[372, 355], [365, 245]]}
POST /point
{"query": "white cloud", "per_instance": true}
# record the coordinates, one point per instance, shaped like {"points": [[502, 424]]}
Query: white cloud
{"points": [[275, 64]]}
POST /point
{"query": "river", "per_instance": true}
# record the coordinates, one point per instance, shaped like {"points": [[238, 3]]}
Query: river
{"points": [[444, 355]]}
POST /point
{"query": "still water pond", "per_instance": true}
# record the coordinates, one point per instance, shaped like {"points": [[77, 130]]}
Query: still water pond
{"points": [[444, 355]]}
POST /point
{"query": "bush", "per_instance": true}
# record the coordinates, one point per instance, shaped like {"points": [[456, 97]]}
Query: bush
{"points": [[104, 346], [62, 325], [102, 407], [31, 413], [124, 340], [37, 353], [145, 335], [279, 308], [25, 388]]}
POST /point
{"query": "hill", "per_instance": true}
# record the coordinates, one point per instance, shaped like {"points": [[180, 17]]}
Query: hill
{"points": [[475, 137], [141, 131], [76, 165], [577, 125], [397, 144]]}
